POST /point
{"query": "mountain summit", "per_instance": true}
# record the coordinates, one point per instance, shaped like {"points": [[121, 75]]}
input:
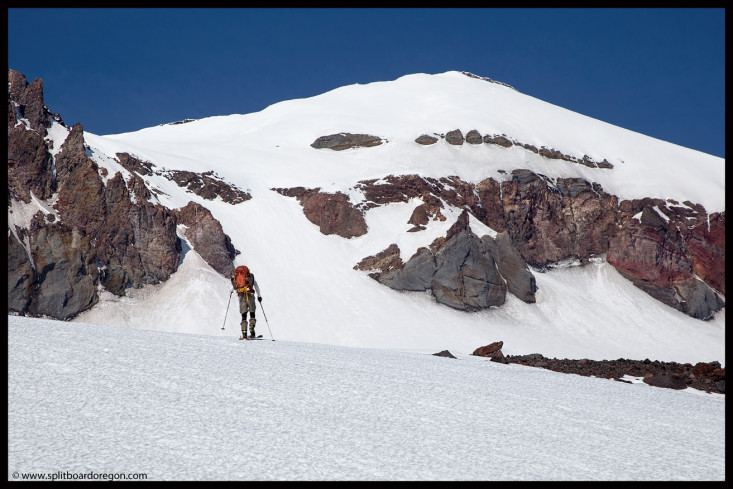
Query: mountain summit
{"points": [[428, 212]]}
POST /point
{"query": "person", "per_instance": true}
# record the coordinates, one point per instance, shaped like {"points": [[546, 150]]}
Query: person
{"points": [[247, 301]]}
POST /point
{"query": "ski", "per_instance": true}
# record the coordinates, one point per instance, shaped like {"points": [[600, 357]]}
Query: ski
{"points": [[258, 337]]}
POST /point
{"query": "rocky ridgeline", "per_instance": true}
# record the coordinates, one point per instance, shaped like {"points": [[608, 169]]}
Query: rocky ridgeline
{"points": [[205, 184], [456, 138], [708, 377], [96, 230], [674, 252]]}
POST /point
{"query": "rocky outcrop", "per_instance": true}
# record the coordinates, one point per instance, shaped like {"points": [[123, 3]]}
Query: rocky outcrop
{"points": [[426, 140], [91, 229], [474, 137], [206, 185], [471, 75], [679, 259], [651, 251], [454, 137], [331, 212], [25, 101], [553, 221], [208, 238], [708, 377], [492, 350], [519, 279], [385, 261], [345, 140], [30, 166], [461, 270]]}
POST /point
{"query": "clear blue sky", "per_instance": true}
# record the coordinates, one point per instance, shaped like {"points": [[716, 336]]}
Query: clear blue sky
{"points": [[660, 72]]}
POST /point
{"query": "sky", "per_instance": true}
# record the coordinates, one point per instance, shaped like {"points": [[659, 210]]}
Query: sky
{"points": [[660, 72]]}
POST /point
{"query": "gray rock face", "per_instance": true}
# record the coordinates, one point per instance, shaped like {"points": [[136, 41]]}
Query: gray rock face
{"points": [[519, 279], [208, 238], [459, 270], [455, 137], [345, 140]]}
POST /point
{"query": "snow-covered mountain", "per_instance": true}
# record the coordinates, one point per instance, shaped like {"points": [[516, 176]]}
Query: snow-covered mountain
{"points": [[307, 189]]}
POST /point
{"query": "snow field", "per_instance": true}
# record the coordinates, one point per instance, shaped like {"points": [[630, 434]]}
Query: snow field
{"points": [[184, 406]]}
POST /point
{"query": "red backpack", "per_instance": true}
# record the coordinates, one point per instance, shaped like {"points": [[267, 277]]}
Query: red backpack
{"points": [[241, 279]]}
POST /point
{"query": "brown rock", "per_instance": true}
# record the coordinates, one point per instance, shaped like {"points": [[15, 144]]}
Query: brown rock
{"points": [[426, 140], [454, 137], [345, 140], [474, 137], [332, 213], [491, 350]]}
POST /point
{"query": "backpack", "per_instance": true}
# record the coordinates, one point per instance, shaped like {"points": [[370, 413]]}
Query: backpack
{"points": [[241, 279]]}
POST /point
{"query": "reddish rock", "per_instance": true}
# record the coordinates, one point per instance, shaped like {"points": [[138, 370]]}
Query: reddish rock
{"points": [[385, 261], [492, 350], [332, 213]]}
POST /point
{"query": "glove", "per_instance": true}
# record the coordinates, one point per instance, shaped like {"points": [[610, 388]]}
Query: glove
{"points": [[259, 299]]}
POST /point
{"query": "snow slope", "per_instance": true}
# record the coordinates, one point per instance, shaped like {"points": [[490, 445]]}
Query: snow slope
{"points": [[311, 292], [108, 400]]}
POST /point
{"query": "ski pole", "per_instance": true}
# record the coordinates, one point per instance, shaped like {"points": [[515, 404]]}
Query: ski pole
{"points": [[266, 321], [225, 314]]}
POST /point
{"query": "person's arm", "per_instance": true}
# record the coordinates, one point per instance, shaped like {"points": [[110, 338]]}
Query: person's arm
{"points": [[257, 289]]}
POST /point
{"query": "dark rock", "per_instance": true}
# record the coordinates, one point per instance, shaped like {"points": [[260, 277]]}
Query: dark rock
{"points": [[500, 140], [458, 270], [27, 101], [669, 381], [474, 137], [426, 140], [520, 280], [30, 166], [134, 165], [444, 353], [454, 137], [208, 238], [207, 186], [345, 140]]}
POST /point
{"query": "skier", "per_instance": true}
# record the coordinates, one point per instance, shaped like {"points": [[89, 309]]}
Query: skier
{"points": [[245, 285]]}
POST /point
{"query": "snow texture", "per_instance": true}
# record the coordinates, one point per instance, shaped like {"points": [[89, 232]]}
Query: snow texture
{"points": [[87, 398]]}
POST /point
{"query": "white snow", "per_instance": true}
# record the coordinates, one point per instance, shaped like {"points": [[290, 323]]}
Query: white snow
{"points": [[88, 399], [348, 390]]}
